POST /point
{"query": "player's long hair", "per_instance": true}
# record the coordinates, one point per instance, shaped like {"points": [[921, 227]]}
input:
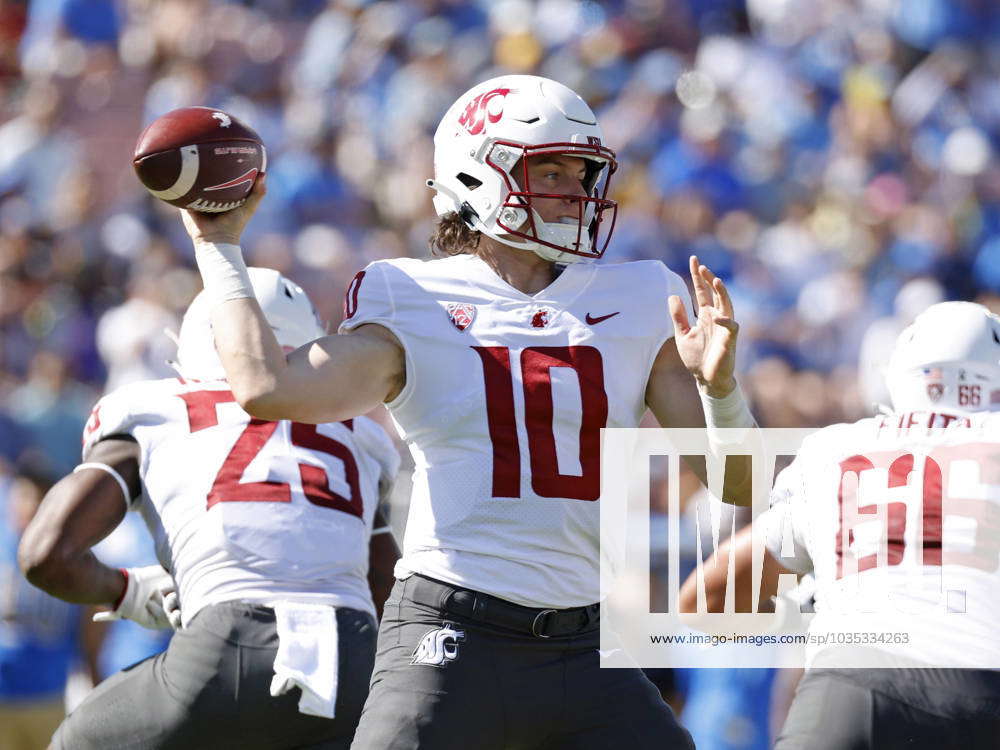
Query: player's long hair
{"points": [[452, 236]]}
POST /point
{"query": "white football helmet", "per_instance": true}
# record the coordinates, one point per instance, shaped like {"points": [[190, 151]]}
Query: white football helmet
{"points": [[947, 360], [286, 306], [494, 127]]}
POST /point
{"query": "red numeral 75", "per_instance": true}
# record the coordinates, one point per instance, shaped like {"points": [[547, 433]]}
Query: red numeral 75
{"points": [[227, 487]]}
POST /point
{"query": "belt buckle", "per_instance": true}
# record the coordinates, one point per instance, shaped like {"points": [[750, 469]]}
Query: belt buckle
{"points": [[535, 623]]}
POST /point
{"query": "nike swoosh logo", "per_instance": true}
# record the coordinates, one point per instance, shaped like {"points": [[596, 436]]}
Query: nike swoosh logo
{"points": [[249, 176], [606, 654], [591, 320]]}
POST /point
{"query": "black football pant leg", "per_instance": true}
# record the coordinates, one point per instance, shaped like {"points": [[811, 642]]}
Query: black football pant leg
{"points": [[211, 689]]}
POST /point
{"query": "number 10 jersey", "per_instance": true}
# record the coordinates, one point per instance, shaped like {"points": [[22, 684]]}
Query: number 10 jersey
{"points": [[505, 397]]}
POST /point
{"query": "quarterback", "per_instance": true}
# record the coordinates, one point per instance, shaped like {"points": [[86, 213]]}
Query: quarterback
{"points": [[263, 525], [499, 363], [923, 536]]}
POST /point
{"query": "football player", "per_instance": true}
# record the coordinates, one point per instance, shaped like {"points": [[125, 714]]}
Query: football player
{"points": [[264, 526], [932, 468], [500, 364]]}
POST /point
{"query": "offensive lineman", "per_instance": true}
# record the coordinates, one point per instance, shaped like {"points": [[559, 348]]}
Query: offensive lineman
{"points": [[499, 365], [938, 454], [265, 526]]}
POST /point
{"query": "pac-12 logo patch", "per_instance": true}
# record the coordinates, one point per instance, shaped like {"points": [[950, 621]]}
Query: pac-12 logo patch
{"points": [[461, 313], [439, 646]]}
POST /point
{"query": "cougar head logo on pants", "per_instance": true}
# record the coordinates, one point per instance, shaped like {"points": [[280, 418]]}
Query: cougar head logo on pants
{"points": [[439, 646]]}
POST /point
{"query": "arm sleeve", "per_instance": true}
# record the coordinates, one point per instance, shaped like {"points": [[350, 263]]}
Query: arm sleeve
{"points": [[670, 283], [369, 299], [676, 285], [784, 521], [112, 416]]}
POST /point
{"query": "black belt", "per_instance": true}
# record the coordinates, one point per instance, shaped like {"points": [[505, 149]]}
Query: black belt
{"points": [[475, 605]]}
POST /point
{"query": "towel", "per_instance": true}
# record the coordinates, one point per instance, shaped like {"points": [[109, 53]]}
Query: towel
{"points": [[307, 656]]}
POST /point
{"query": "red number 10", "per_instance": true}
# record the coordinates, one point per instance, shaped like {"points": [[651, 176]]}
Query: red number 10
{"points": [[536, 366]]}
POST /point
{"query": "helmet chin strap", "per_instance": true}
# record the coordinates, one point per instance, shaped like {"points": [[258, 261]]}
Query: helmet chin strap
{"points": [[543, 251]]}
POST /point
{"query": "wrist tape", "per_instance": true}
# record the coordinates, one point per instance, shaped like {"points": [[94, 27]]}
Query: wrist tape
{"points": [[223, 272], [729, 411]]}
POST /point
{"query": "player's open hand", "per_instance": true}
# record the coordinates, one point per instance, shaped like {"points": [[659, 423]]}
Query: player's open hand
{"points": [[708, 348], [225, 227]]}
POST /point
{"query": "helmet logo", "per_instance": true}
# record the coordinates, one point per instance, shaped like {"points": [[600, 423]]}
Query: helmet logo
{"points": [[488, 106], [935, 391], [461, 313]]}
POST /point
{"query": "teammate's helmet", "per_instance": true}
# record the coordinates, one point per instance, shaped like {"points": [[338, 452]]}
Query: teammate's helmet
{"points": [[947, 360], [286, 306], [490, 131]]}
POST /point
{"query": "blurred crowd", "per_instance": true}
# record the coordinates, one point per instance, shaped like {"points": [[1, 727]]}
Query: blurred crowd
{"points": [[832, 160]]}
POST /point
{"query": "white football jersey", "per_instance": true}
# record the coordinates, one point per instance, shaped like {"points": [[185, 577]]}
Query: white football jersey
{"points": [[898, 517], [245, 509], [505, 397]]}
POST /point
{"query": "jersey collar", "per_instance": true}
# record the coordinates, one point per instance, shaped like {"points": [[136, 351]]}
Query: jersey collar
{"points": [[564, 287]]}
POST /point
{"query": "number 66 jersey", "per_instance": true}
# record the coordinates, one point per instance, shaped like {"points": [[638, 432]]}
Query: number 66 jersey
{"points": [[898, 518], [246, 509], [505, 397]]}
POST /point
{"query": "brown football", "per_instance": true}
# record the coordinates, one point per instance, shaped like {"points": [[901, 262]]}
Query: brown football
{"points": [[199, 158]]}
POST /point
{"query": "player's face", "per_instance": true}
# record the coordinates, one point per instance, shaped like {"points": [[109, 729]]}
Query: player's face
{"points": [[555, 175]]}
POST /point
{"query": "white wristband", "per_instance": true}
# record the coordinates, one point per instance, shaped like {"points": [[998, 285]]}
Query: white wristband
{"points": [[117, 477], [729, 411], [223, 272]]}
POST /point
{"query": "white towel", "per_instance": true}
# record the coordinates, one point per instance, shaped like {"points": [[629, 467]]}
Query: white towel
{"points": [[307, 656]]}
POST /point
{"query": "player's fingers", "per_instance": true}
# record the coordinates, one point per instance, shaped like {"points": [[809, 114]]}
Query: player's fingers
{"points": [[728, 323], [257, 193], [701, 291], [678, 314], [725, 302], [707, 277]]}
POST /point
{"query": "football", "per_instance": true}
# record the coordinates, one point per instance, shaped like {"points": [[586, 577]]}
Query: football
{"points": [[199, 158]]}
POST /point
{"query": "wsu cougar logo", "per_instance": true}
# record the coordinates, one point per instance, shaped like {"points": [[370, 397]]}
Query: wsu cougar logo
{"points": [[488, 106], [438, 647]]}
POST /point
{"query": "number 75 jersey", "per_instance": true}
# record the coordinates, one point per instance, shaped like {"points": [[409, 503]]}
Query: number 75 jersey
{"points": [[505, 397], [246, 509]]}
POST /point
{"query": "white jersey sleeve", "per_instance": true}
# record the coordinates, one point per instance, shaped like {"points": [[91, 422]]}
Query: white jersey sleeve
{"points": [[785, 521], [112, 415], [674, 284], [118, 414], [369, 299]]}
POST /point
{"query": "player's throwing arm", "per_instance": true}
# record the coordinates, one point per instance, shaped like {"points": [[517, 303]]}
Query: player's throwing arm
{"points": [[333, 378]]}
